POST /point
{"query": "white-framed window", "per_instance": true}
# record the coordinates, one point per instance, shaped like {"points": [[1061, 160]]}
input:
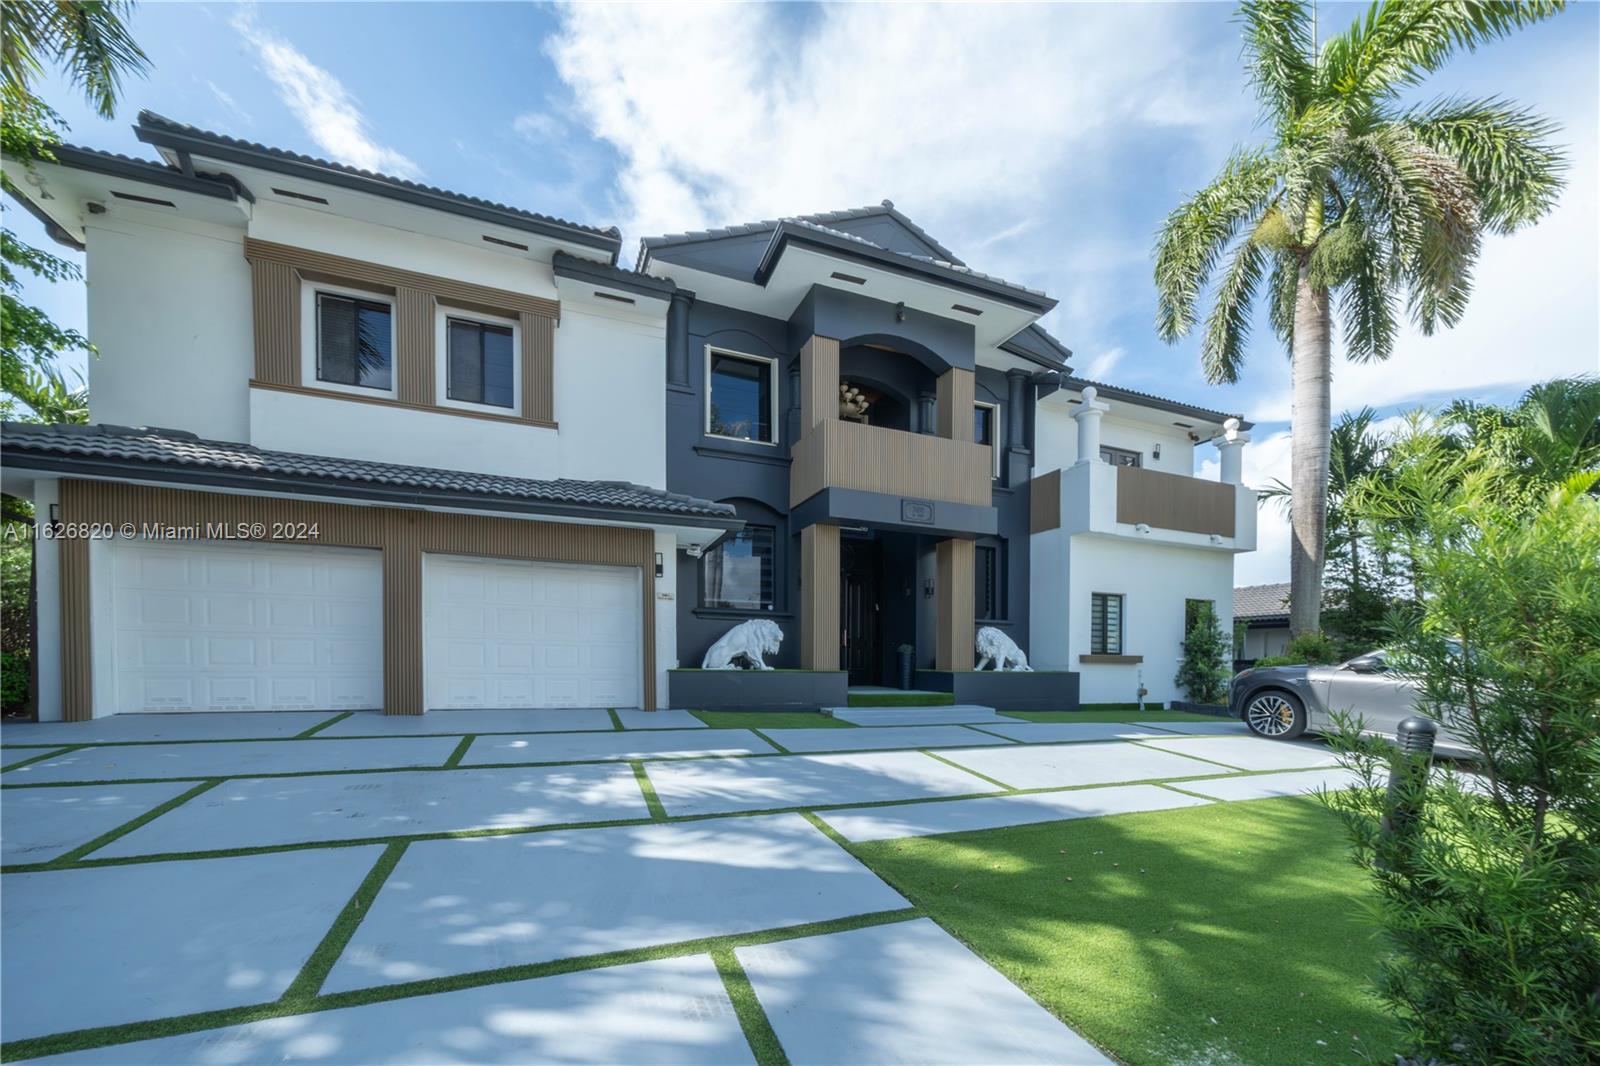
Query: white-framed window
{"points": [[347, 339], [477, 368], [741, 396], [986, 430]]}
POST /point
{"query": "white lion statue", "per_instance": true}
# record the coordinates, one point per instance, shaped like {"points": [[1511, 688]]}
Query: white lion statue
{"points": [[746, 642], [999, 651]]}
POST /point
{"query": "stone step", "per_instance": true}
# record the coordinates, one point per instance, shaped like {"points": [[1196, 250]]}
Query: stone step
{"points": [[960, 714]]}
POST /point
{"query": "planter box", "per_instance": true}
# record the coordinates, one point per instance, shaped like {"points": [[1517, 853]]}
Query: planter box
{"points": [[1005, 690], [757, 690]]}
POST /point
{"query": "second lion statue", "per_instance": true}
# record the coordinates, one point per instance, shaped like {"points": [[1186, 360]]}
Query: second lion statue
{"points": [[1000, 651], [747, 642]]}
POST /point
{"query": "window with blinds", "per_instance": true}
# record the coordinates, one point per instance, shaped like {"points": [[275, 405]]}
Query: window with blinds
{"points": [[1105, 624], [739, 573], [482, 369], [355, 342]]}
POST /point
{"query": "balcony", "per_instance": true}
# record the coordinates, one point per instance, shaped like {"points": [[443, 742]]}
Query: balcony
{"points": [[1127, 501], [865, 458]]}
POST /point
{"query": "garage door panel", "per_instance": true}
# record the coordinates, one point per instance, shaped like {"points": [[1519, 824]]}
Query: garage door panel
{"points": [[209, 626], [535, 629]]}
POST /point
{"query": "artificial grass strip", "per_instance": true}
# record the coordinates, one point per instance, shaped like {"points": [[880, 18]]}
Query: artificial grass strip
{"points": [[775, 743], [1110, 713], [71, 857], [460, 753], [658, 813], [1189, 755], [758, 1031], [771, 720], [1229, 933], [967, 769], [308, 983], [41, 757], [320, 726], [82, 1039], [616, 719]]}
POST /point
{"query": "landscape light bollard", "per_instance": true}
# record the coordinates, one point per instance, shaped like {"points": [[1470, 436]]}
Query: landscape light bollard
{"points": [[1408, 776]]}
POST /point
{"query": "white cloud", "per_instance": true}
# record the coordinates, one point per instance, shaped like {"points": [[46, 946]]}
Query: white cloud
{"points": [[226, 99], [538, 126], [331, 116], [974, 118], [1100, 367]]}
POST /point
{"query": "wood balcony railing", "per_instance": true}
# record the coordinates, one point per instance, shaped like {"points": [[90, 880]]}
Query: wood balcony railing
{"points": [[851, 455], [1172, 501]]}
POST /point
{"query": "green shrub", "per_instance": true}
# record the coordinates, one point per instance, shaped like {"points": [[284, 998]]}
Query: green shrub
{"points": [[1207, 661], [1279, 660], [13, 679]]}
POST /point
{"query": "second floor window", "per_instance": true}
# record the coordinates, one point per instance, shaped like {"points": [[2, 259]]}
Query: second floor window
{"points": [[1105, 624], [1121, 457], [355, 342], [739, 571], [482, 366], [986, 430], [741, 397]]}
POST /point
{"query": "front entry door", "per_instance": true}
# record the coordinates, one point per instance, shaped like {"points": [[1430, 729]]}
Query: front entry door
{"points": [[858, 601]]}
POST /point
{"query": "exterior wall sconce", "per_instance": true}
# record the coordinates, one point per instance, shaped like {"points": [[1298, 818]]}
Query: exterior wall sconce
{"points": [[661, 566], [927, 589], [1155, 451]]}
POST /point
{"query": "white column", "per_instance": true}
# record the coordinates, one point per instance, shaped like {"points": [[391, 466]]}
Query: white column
{"points": [[1230, 447], [1088, 419]]}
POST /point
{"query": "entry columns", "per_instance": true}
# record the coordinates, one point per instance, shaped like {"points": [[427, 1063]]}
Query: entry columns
{"points": [[953, 606], [819, 597]]}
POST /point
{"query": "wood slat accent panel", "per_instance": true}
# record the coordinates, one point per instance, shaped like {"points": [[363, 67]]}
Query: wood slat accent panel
{"points": [[1044, 502], [954, 629], [402, 536], [1172, 501], [852, 455], [819, 598], [819, 383], [957, 389], [415, 340], [275, 305], [538, 369], [306, 260]]}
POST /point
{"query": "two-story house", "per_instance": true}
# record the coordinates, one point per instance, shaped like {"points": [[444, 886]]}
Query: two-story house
{"points": [[362, 443]]}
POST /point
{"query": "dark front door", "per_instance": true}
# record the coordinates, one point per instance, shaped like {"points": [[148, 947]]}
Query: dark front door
{"points": [[859, 604]]}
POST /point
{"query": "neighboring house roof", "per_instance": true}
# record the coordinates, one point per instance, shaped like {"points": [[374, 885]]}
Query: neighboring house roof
{"points": [[173, 456], [180, 137], [1261, 603], [1145, 399]]}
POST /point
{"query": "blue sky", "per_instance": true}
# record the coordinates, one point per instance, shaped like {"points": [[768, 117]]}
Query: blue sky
{"points": [[1042, 143]]}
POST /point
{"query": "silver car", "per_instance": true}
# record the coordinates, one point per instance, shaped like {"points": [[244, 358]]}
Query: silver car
{"points": [[1282, 702]]}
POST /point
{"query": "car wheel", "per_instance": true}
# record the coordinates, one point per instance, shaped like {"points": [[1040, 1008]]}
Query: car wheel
{"points": [[1275, 714]]}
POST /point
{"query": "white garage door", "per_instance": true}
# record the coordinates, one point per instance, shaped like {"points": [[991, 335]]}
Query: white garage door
{"points": [[202, 626], [501, 633]]}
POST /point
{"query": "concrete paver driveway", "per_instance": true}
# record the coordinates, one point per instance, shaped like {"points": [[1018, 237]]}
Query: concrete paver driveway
{"points": [[352, 888]]}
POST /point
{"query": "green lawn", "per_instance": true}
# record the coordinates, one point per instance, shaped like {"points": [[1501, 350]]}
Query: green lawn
{"points": [[1226, 935]]}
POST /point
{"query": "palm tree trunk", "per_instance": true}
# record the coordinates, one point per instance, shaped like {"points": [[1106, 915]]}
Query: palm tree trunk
{"points": [[1310, 428]]}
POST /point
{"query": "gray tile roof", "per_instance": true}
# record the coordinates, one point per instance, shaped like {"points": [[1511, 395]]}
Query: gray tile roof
{"points": [[1261, 601], [821, 218], [1134, 396], [165, 132], [156, 454]]}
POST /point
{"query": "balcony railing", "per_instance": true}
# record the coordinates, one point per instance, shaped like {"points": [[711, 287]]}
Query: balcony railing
{"points": [[852, 455], [1173, 501], [1096, 497]]}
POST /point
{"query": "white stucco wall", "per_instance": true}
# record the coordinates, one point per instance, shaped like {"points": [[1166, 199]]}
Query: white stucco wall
{"points": [[1154, 579], [169, 311], [1056, 439]]}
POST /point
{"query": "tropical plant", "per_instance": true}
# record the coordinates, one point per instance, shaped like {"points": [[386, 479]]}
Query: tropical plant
{"points": [[1551, 433], [1358, 201], [1207, 661], [1490, 897], [87, 41]]}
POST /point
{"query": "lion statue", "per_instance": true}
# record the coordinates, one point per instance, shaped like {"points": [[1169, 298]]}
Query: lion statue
{"points": [[999, 651], [746, 642]]}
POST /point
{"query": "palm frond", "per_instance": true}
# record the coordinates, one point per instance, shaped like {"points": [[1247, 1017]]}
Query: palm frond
{"points": [[1505, 150], [1367, 300], [1282, 289], [1198, 231], [1278, 46], [1228, 328], [88, 39], [1399, 42]]}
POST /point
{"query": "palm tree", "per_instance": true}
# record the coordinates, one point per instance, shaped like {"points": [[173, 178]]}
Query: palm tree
{"points": [[1358, 201]]}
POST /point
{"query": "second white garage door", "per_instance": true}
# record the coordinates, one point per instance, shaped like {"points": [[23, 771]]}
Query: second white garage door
{"points": [[501, 633]]}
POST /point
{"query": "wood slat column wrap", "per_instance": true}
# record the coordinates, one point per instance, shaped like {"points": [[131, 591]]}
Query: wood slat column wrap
{"points": [[953, 606], [819, 383], [275, 307], [538, 368], [402, 535], [956, 393], [415, 340], [819, 598]]}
